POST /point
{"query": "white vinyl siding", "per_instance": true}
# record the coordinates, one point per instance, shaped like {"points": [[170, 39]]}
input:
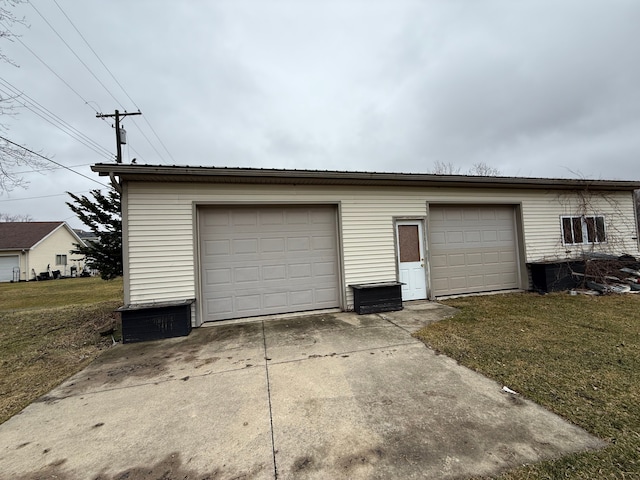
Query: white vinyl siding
{"points": [[368, 247], [161, 223], [543, 232], [368, 235], [161, 249]]}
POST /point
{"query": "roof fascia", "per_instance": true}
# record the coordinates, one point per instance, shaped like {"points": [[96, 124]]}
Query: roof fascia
{"points": [[150, 173]]}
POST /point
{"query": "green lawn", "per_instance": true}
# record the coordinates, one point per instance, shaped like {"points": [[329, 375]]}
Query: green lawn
{"points": [[578, 356], [49, 331]]}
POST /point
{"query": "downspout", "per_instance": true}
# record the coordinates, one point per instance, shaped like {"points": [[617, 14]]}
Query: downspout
{"points": [[115, 183], [25, 255]]}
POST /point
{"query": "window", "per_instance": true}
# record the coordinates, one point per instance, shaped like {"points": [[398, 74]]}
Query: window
{"points": [[61, 259], [583, 229]]}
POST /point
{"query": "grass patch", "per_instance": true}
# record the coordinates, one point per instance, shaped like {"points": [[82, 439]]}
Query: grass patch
{"points": [[577, 356], [48, 332], [58, 293]]}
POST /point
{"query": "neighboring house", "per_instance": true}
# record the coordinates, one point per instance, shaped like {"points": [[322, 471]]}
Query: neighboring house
{"points": [[28, 249], [247, 242], [87, 236]]}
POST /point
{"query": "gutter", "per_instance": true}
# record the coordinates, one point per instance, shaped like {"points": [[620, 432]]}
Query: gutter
{"points": [[158, 173]]}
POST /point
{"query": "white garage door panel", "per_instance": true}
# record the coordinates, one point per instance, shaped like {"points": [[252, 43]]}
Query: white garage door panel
{"points": [[473, 249], [267, 260], [7, 264]]}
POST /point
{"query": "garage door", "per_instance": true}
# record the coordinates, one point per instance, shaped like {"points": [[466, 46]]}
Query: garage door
{"points": [[7, 264], [473, 249], [267, 260]]}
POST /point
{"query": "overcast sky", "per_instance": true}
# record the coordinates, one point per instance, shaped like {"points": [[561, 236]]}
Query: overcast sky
{"points": [[531, 87]]}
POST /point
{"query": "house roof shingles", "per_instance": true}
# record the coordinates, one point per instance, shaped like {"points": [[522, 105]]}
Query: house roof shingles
{"points": [[24, 235]]}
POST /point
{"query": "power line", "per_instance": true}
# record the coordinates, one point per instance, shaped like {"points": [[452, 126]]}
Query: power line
{"points": [[76, 55], [94, 52], [72, 135], [73, 132], [42, 196], [136, 152], [119, 131], [159, 139], [162, 159], [115, 80], [50, 69], [50, 169], [149, 141], [84, 100], [50, 160]]}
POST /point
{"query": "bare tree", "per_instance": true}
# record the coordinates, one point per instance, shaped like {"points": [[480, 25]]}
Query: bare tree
{"points": [[7, 217], [11, 154], [480, 169], [483, 170], [444, 168], [8, 20]]}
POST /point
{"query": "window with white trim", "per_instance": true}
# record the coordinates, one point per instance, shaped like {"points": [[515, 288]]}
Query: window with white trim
{"points": [[583, 229], [61, 259]]}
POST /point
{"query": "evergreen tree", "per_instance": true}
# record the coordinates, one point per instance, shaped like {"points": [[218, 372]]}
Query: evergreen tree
{"points": [[102, 215]]}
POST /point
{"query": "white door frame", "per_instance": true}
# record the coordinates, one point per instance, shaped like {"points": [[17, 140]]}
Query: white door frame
{"points": [[419, 290]]}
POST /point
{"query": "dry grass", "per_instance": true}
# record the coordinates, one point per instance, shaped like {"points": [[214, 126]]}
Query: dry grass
{"points": [[577, 356], [49, 331], [58, 293]]}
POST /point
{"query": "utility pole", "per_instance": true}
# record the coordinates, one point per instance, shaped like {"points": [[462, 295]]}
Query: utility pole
{"points": [[117, 116]]}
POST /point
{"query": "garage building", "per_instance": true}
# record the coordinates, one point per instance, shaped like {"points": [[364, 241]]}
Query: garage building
{"points": [[249, 242]]}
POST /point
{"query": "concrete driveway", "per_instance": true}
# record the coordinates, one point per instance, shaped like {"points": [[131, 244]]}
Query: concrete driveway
{"points": [[328, 396]]}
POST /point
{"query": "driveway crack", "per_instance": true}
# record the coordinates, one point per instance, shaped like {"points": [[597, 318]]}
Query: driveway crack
{"points": [[387, 319], [266, 368]]}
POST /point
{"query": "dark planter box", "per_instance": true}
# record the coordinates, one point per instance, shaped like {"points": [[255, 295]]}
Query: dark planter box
{"points": [[377, 297], [145, 322], [556, 276]]}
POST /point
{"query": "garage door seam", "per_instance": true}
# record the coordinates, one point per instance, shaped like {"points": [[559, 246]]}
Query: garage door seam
{"points": [[266, 368]]}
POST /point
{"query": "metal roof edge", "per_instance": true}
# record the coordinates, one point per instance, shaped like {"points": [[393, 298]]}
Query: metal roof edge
{"points": [[148, 173]]}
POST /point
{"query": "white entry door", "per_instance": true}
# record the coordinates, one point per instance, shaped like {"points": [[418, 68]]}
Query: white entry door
{"points": [[411, 259]]}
